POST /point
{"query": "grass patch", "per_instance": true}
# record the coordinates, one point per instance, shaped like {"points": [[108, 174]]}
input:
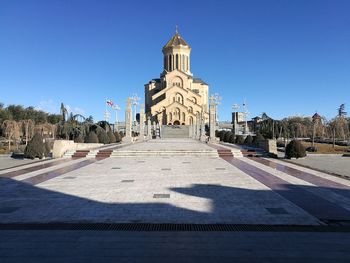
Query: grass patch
{"points": [[327, 148]]}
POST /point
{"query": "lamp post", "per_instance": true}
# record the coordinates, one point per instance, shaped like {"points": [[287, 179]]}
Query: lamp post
{"points": [[235, 108], [246, 114], [135, 101], [116, 108]]}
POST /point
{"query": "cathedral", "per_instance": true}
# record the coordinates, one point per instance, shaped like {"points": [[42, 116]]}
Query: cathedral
{"points": [[177, 97]]}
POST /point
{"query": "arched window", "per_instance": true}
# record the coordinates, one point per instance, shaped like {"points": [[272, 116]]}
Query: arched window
{"points": [[183, 116], [190, 119], [177, 61], [170, 116], [179, 98], [190, 109], [194, 100]]}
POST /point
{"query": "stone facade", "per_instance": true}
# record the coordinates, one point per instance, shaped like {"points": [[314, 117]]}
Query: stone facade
{"points": [[176, 97]]}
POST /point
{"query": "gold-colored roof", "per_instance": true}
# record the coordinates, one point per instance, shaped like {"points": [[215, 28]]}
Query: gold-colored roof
{"points": [[176, 40]]}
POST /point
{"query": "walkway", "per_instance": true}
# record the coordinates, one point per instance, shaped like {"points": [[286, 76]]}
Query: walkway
{"points": [[174, 190]]}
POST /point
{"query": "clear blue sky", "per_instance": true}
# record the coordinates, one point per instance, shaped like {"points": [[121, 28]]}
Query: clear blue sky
{"points": [[283, 57]]}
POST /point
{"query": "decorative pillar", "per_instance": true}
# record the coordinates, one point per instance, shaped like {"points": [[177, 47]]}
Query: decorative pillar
{"points": [[203, 138], [212, 117], [128, 121], [142, 123], [198, 126], [149, 128]]}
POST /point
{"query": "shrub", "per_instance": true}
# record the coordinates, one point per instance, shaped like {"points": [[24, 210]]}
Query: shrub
{"points": [[217, 133], [232, 138], [258, 138], [227, 136], [222, 135], [91, 138], [239, 139], [295, 149], [79, 139], [103, 137], [248, 140], [117, 137], [47, 147], [35, 147], [111, 137]]}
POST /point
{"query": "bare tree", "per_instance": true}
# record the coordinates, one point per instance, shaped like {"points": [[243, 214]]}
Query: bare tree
{"points": [[28, 127], [11, 131]]}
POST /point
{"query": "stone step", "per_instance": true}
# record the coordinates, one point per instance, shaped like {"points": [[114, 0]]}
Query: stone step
{"points": [[165, 153]]}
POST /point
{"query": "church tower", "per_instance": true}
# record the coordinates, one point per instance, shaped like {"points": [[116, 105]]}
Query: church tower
{"points": [[177, 54], [177, 97]]}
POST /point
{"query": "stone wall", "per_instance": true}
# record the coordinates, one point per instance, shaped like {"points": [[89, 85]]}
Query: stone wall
{"points": [[269, 146], [61, 146]]}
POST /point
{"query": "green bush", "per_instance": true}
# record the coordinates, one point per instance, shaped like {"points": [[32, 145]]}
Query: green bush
{"points": [[240, 139], [295, 149], [117, 136], [227, 136], [35, 147], [248, 140], [79, 139], [232, 138], [111, 137], [91, 138], [47, 147], [217, 133], [256, 139], [222, 135], [103, 137]]}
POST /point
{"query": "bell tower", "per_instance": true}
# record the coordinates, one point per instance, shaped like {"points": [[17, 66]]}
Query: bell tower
{"points": [[177, 54]]}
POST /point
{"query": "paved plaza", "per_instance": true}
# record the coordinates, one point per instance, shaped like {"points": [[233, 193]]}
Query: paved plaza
{"points": [[180, 189], [332, 163]]}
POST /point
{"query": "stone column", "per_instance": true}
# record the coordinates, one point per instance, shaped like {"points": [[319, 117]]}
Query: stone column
{"points": [[154, 127], [198, 126], [203, 137], [142, 123], [190, 131], [128, 121], [212, 117], [149, 128]]}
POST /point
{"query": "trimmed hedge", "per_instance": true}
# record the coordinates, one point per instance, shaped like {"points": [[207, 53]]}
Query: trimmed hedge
{"points": [[295, 149], [256, 139], [35, 147], [91, 138], [103, 137], [239, 139], [47, 148], [232, 138], [111, 137], [227, 136], [117, 136], [248, 140]]}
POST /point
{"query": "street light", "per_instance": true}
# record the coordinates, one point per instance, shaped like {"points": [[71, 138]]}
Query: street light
{"points": [[116, 108], [134, 101]]}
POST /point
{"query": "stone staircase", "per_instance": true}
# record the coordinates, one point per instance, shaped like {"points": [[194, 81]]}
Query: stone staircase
{"points": [[225, 153], [80, 153], [175, 131], [68, 154], [120, 153], [103, 153]]}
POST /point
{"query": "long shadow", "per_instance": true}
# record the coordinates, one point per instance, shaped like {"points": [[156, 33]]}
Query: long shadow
{"points": [[24, 203]]}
